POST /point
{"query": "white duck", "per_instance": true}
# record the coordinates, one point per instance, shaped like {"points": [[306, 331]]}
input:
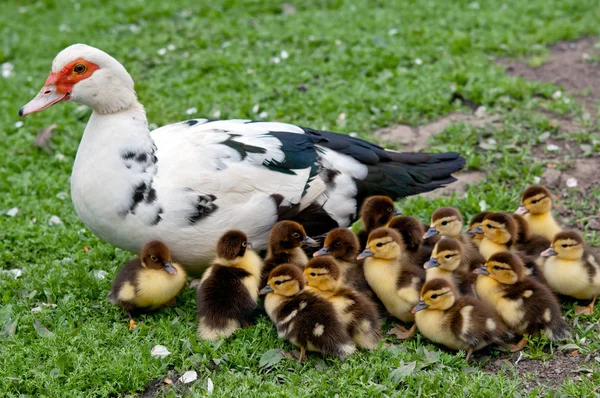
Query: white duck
{"points": [[189, 182]]}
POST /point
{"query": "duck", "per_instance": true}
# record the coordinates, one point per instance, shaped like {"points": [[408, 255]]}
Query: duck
{"points": [[360, 315], [572, 269], [447, 221], [148, 282], [285, 246], [394, 279], [301, 316], [459, 323], [227, 294], [376, 211], [536, 207], [499, 234], [526, 242], [475, 222], [189, 182], [525, 305], [445, 263]]}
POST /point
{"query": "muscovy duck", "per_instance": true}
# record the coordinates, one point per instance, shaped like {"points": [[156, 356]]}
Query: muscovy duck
{"points": [[189, 182]]}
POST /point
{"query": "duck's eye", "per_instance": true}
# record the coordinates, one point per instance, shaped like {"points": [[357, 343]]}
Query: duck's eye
{"points": [[379, 244], [313, 274], [535, 201], [389, 209], [496, 267], [434, 296], [153, 258], [295, 235], [278, 282], [337, 244], [448, 256], [564, 245], [244, 244], [490, 226], [444, 222], [80, 69]]}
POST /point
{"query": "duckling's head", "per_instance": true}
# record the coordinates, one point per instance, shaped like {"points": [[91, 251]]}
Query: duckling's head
{"points": [[410, 229], [384, 243], [522, 228], [567, 245], [436, 294], [500, 228], [323, 273], [505, 267], [476, 222], [155, 255], [232, 247], [535, 200], [288, 235], [285, 280], [445, 221], [341, 243], [377, 211], [446, 254]]}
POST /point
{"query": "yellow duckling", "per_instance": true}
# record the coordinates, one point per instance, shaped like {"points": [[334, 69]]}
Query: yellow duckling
{"points": [[466, 323], [228, 291], [148, 282], [303, 317], [499, 234], [394, 279], [355, 310], [571, 269], [411, 230], [536, 207], [526, 242], [476, 237], [376, 211], [525, 305], [445, 263]]}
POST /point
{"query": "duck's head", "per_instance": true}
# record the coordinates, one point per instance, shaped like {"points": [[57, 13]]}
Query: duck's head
{"points": [[446, 254], [288, 235], [500, 228], [505, 267], [445, 221], [377, 211], [567, 245], [476, 222], [341, 243], [285, 280], [436, 294], [232, 247], [155, 255], [410, 229], [384, 243], [323, 273], [535, 200], [86, 75]]}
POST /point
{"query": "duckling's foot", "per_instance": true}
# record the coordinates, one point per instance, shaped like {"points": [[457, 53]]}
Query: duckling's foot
{"points": [[132, 324], [401, 332], [302, 357], [171, 302], [195, 283], [519, 346], [469, 352], [587, 310]]}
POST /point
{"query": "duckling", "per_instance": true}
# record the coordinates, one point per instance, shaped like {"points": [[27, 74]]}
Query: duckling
{"points": [[465, 323], [526, 242], [571, 269], [376, 211], [356, 311], [228, 291], [412, 232], [394, 279], [306, 319], [285, 247], [447, 221], [445, 263], [525, 305], [536, 207], [473, 224], [499, 234], [148, 282]]}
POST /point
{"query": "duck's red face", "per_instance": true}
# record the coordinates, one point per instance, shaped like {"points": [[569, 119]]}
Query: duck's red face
{"points": [[59, 85]]}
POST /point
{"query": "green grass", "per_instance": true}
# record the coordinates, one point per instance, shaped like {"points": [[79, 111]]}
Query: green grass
{"points": [[355, 57]]}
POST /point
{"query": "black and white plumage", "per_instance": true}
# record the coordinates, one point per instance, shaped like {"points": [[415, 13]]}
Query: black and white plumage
{"points": [[189, 182]]}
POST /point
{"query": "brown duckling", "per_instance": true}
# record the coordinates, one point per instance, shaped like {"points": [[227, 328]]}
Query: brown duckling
{"points": [[228, 291], [148, 282], [411, 230], [394, 279], [525, 305], [499, 234], [445, 263], [536, 207], [526, 242], [306, 319], [465, 323], [376, 212], [285, 247], [475, 222], [572, 269], [356, 311]]}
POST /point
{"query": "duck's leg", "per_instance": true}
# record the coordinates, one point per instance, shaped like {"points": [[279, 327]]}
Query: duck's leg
{"points": [[469, 352], [132, 324], [401, 333], [519, 346], [302, 355], [587, 310]]}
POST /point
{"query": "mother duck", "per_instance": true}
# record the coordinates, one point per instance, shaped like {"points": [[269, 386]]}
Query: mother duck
{"points": [[189, 182]]}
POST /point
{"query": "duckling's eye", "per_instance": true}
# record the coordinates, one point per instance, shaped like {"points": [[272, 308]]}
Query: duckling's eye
{"points": [[434, 296], [337, 244], [278, 282], [313, 274], [153, 258], [490, 226], [448, 256], [534, 201], [80, 69], [564, 245], [389, 209], [444, 223], [295, 235], [496, 267], [244, 244], [379, 244]]}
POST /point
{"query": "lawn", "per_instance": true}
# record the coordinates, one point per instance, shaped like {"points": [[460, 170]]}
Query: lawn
{"points": [[379, 63]]}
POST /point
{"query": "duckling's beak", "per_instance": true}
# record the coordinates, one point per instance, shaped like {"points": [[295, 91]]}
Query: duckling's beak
{"points": [[265, 290], [432, 263], [430, 232], [481, 271], [167, 266], [476, 230], [548, 252], [249, 245], [397, 212], [366, 253], [521, 210], [309, 241], [323, 251], [420, 306]]}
